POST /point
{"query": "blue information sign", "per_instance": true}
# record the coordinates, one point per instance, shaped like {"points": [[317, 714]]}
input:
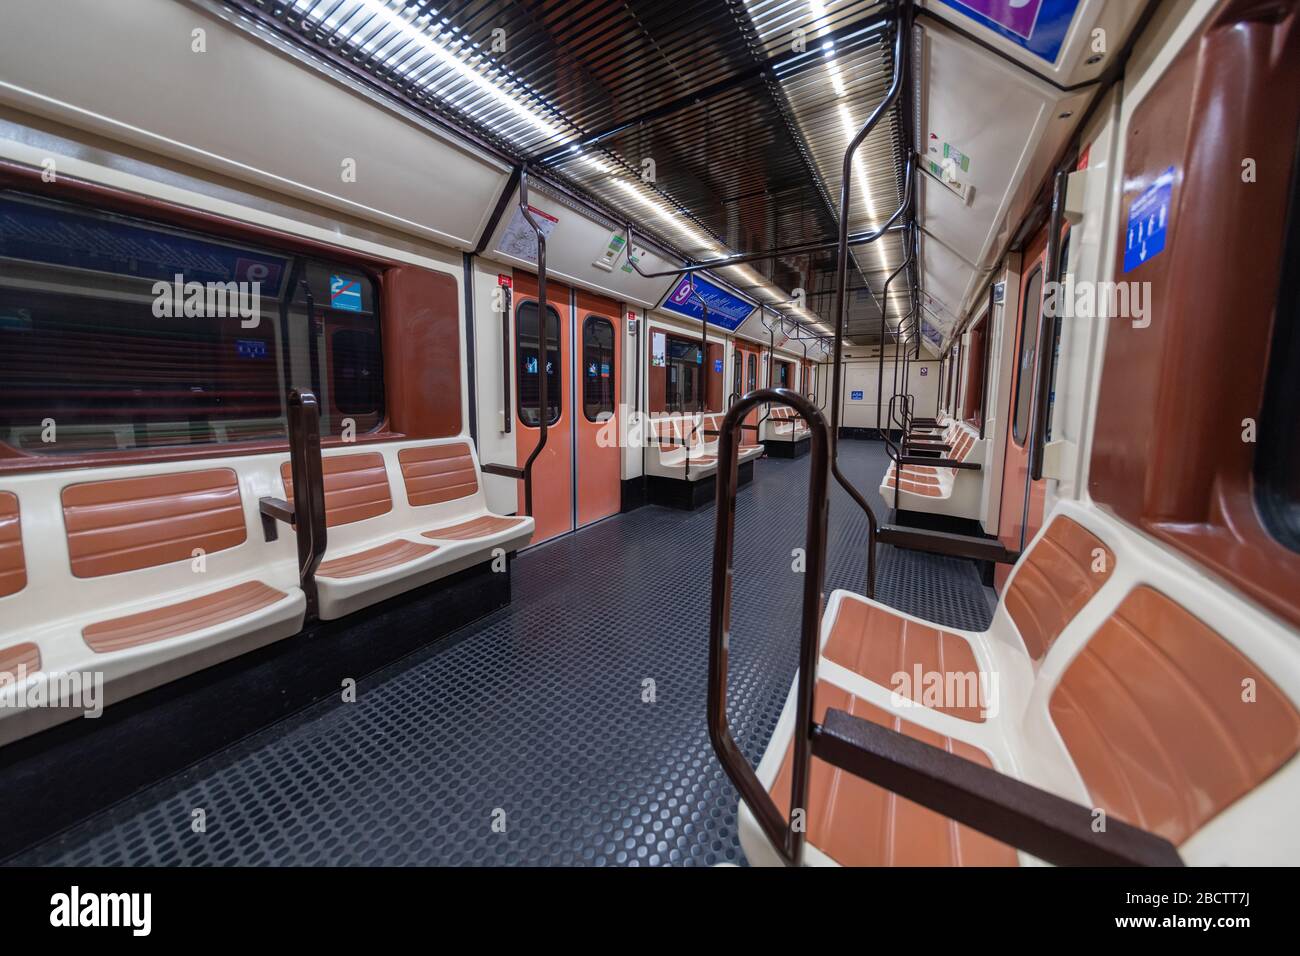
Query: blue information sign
{"points": [[1148, 221], [855, 396], [726, 311], [1037, 25]]}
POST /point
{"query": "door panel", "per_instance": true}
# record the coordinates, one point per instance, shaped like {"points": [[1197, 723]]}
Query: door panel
{"points": [[553, 470], [600, 357], [1021, 513]]}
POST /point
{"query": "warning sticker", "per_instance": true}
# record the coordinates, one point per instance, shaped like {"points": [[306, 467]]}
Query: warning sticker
{"points": [[345, 293]]}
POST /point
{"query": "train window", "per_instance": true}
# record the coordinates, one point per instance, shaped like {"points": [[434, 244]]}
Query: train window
{"points": [[529, 384], [752, 374], [782, 374], [118, 333], [597, 369], [1030, 308], [685, 382], [736, 363]]}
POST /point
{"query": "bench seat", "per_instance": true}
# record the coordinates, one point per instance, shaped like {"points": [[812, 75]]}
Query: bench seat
{"points": [[784, 424], [160, 572], [403, 518], [685, 447], [1111, 675], [865, 825], [941, 489]]}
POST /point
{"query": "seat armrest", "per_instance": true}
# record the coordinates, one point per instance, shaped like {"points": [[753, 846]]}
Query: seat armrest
{"points": [[1017, 813], [273, 510]]}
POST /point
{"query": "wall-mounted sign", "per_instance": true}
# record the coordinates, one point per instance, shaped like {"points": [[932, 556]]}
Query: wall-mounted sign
{"points": [[658, 349], [717, 365], [1148, 222], [1038, 26], [519, 239], [505, 281], [726, 310], [925, 370], [855, 396]]}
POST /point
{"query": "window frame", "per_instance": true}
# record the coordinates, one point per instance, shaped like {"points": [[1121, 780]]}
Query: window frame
{"points": [[542, 348], [613, 367]]}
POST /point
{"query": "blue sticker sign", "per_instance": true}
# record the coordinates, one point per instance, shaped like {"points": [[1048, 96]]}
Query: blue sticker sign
{"points": [[726, 311], [855, 396], [717, 365], [1038, 26], [345, 293], [250, 348], [1148, 222]]}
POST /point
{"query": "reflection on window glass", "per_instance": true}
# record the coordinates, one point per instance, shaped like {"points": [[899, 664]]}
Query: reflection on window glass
{"points": [[752, 373], [118, 333], [597, 369], [1029, 315], [685, 375], [529, 383]]}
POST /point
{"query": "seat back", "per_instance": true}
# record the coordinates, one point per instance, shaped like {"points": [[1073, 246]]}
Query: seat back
{"points": [[1166, 722], [433, 474], [1054, 579], [128, 524], [13, 561], [1155, 695], [356, 487]]}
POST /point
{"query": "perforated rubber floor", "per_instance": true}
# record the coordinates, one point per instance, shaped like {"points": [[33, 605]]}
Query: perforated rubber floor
{"points": [[526, 737]]}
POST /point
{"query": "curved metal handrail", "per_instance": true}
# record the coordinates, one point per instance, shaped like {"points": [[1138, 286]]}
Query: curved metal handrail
{"points": [[902, 30], [784, 834]]}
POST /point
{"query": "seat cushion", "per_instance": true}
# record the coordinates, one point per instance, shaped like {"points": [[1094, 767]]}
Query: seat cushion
{"points": [[16, 658], [475, 528], [878, 644], [183, 618], [857, 823], [387, 555]]}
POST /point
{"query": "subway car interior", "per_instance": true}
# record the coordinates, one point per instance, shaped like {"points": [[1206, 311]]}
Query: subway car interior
{"points": [[590, 433]]}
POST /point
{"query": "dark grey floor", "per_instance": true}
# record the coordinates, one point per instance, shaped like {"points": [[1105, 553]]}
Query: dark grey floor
{"points": [[533, 717]]}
